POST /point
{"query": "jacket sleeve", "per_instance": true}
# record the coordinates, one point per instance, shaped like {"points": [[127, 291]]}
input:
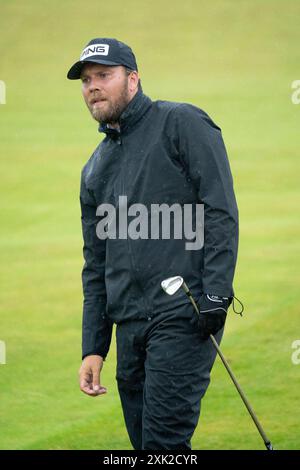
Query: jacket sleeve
{"points": [[205, 159], [96, 327]]}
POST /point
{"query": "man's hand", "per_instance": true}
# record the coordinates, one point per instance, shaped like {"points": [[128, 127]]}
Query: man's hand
{"points": [[89, 376], [213, 312]]}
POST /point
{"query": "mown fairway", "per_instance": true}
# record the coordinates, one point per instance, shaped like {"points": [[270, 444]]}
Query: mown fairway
{"points": [[237, 61]]}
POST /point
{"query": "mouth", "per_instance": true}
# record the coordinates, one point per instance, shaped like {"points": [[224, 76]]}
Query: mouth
{"points": [[97, 100]]}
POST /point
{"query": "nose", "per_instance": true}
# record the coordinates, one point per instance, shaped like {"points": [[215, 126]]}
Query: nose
{"points": [[93, 85]]}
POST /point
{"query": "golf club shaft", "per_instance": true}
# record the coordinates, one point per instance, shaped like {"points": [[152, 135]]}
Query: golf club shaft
{"points": [[242, 395]]}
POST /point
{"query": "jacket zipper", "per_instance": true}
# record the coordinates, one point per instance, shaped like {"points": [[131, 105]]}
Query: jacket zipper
{"points": [[131, 256]]}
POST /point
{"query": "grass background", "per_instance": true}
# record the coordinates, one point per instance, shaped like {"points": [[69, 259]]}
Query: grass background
{"points": [[236, 60]]}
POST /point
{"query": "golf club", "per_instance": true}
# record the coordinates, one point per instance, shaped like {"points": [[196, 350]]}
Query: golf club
{"points": [[171, 286]]}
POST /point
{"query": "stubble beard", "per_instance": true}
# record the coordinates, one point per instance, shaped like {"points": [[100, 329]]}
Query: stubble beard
{"points": [[113, 109]]}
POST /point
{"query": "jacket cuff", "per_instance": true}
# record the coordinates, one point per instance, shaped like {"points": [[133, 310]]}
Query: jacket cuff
{"points": [[94, 353]]}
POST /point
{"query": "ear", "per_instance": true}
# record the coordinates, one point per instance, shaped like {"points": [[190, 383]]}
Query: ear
{"points": [[133, 80]]}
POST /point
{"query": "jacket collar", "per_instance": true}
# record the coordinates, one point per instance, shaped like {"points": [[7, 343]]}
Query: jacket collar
{"points": [[134, 111]]}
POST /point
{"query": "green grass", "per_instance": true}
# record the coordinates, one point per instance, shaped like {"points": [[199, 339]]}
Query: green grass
{"points": [[236, 60]]}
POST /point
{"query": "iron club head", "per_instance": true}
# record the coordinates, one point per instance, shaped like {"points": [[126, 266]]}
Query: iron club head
{"points": [[172, 284]]}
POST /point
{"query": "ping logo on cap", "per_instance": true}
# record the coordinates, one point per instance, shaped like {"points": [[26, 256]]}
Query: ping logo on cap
{"points": [[94, 49]]}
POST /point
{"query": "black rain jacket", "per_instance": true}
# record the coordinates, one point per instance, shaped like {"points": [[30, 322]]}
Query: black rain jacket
{"points": [[165, 152]]}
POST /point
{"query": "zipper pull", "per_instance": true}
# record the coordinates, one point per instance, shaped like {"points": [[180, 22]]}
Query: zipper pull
{"points": [[233, 306]]}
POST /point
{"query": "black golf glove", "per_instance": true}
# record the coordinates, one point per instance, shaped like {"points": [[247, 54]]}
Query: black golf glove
{"points": [[213, 312]]}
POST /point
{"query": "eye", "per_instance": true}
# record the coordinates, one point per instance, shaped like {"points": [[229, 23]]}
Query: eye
{"points": [[103, 74]]}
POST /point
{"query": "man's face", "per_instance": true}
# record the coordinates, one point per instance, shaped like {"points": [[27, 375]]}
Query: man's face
{"points": [[105, 90]]}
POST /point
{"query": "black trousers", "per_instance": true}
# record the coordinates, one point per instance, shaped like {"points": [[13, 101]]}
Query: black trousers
{"points": [[163, 371]]}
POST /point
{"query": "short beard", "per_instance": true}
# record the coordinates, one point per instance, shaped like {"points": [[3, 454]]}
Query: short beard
{"points": [[115, 109]]}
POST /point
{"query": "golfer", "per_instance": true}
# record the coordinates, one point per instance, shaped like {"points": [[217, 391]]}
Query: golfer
{"points": [[157, 159]]}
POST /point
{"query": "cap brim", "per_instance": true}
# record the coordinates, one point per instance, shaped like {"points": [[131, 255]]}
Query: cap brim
{"points": [[75, 71]]}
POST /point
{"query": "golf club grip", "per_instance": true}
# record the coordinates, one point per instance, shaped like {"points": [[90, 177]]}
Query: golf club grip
{"points": [[242, 395]]}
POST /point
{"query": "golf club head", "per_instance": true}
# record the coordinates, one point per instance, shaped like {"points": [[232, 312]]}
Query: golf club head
{"points": [[172, 284]]}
